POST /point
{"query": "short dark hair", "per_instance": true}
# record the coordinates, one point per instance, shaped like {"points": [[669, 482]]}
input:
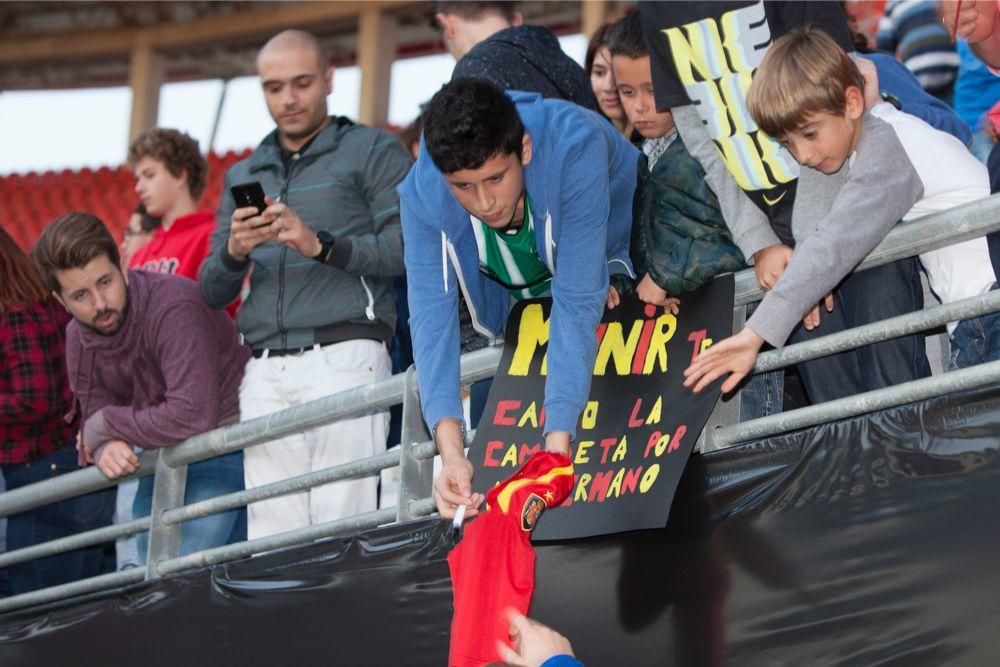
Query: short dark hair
{"points": [[474, 9], [177, 151], [72, 241], [625, 38], [468, 122]]}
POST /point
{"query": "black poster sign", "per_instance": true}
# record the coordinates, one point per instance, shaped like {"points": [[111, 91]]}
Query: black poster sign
{"points": [[639, 426]]}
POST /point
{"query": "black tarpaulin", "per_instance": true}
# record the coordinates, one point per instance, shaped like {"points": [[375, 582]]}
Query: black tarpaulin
{"points": [[868, 541]]}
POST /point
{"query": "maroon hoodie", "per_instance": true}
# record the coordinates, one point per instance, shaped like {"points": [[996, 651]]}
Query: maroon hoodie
{"points": [[173, 370]]}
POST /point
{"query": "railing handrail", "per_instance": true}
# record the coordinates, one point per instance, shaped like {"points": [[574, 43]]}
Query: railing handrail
{"points": [[909, 239], [377, 396], [929, 233]]}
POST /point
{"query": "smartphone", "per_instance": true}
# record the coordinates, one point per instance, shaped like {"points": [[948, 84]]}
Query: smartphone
{"points": [[249, 194]]}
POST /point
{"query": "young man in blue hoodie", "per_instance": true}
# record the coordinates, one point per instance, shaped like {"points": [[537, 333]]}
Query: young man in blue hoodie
{"points": [[512, 196]]}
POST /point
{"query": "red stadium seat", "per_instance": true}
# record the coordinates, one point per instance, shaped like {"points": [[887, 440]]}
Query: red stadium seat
{"points": [[30, 201]]}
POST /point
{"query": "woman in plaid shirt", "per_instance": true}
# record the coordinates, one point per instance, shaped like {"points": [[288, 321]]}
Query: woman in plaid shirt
{"points": [[36, 442]]}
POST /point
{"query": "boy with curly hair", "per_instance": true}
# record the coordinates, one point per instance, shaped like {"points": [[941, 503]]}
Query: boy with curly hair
{"points": [[170, 177]]}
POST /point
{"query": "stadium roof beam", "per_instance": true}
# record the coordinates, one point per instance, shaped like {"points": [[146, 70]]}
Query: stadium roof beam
{"points": [[593, 14], [376, 53], [146, 44], [146, 71], [248, 27]]}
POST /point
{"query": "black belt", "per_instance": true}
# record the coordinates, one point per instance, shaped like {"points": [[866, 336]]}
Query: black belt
{"points": [[333, 334], [257, 354]]}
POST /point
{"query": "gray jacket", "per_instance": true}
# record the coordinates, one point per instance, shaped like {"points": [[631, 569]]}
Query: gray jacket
{"points": [[344, 183]]}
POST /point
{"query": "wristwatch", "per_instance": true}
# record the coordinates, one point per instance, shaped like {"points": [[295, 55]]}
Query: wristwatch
{"points": [[891, 99], [326, 240]]}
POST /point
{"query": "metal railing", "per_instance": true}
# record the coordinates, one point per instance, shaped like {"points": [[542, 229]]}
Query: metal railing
{"points": [[415, 455]]}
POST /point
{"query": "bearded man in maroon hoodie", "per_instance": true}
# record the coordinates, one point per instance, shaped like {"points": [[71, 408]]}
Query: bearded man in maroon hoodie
{"points": [[150, 364]]}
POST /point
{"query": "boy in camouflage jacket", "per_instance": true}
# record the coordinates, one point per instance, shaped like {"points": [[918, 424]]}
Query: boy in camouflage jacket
{"points": [[679, 238]]}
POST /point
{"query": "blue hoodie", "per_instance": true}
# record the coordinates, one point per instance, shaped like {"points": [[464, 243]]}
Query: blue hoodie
{"points": [[581, 180]]}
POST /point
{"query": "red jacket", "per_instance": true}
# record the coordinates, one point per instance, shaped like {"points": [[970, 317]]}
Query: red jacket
{"points": [[181, 250]]}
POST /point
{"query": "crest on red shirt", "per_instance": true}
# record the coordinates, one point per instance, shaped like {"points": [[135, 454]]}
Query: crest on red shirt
{"points": [[533, 508]]}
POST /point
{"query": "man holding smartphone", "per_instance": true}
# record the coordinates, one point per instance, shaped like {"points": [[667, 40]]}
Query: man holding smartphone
{"points": [[321, 307]]}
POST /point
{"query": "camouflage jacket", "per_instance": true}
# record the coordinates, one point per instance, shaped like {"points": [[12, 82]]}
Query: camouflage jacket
{"points": [[678, 234]]}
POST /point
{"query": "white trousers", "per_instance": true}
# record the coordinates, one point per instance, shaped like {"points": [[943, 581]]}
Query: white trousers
{"points": [[275, 383]]}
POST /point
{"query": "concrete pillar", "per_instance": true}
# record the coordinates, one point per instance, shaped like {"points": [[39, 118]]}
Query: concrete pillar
{"points": [[593, 14], [376, 53], [146, 72]]}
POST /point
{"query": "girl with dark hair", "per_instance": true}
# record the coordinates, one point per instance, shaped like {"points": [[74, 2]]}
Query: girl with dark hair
{"points": [[36, 442], [597, 64]]}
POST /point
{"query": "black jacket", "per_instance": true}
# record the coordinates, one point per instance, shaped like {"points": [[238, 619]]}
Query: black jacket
{"points": [[528, 58]]}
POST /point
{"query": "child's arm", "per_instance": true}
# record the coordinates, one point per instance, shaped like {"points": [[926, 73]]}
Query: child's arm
{"points": [[688, 241], [735, 355], [883, 186], [751, 230]]}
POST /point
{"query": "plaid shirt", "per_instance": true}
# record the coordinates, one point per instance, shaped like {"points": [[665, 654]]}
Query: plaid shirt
{"points": [[34, 389]]}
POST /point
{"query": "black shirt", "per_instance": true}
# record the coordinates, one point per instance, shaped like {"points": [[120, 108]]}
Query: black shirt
{"points": [[705, 53]]}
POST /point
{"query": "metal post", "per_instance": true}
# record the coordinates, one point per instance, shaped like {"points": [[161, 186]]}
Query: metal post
{"points": [[415, 475], [169, 485], [218, 116], [727, 410]]}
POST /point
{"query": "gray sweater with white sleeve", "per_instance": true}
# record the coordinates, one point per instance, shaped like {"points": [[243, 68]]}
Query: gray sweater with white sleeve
{"points": [[902, 169]]}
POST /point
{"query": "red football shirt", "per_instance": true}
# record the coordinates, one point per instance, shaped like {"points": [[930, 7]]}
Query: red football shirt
{"points": [[493, 567]]}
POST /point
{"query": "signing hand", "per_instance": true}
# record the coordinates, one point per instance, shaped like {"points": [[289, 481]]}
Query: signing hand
{"points": [[811, 320], [770, 263], [453, 487], [116, 459], [735, 355], [535, 643]]}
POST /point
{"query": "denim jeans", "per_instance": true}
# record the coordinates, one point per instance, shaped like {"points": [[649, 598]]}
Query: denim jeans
{"points": [[205, 479], [60, 519], [126, 548], [868, 296], [976, 341], [763, 394]]}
